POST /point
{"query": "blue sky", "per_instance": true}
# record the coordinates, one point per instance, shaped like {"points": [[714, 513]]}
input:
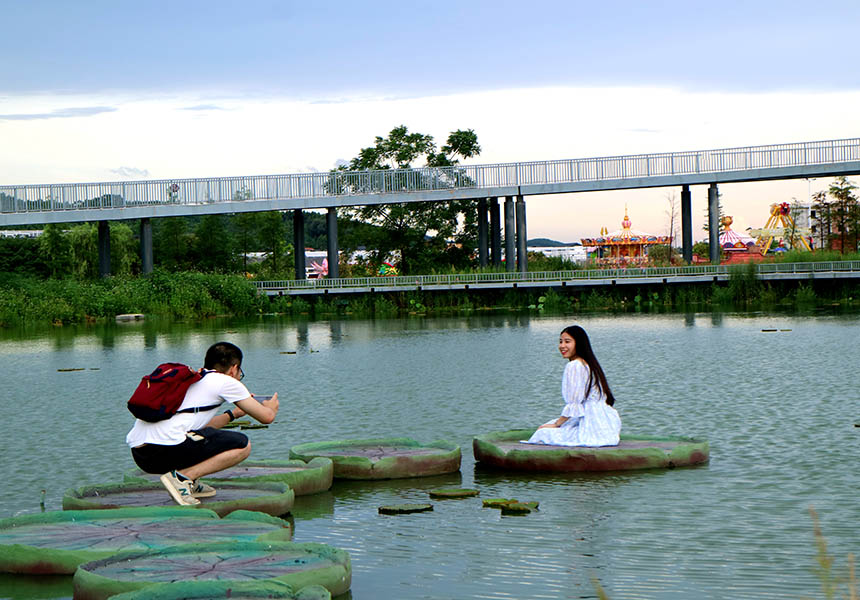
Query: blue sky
{"points": [[300, 86], [319, 50]]}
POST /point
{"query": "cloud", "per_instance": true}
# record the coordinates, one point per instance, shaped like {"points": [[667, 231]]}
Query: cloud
{"points": [[60, 113], [204, 107], [131, 173]]}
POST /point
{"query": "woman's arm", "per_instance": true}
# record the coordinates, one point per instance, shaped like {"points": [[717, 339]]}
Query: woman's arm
{"points": [[557, 423]]}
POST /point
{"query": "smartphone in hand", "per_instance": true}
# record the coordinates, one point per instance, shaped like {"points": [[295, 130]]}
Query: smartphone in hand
{"points": [[261, 398]]}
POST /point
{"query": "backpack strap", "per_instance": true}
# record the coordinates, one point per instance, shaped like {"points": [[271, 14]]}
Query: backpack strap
{"points": [[198, 409]]}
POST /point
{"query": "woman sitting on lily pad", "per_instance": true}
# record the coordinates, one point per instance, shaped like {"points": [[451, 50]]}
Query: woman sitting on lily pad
{"points": [[588, 418]]}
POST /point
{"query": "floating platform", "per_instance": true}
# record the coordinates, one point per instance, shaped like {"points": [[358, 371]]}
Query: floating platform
{"points": [[272, 498], [233, 590], [386, 458], [55, 543], [298, 565], [505, 450], [303, 477]]}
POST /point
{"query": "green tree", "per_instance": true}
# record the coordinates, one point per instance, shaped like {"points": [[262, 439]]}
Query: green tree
{"points": [[172, 243], [417, 232], [246, 239], [124, 250], [273, 237], [844, 213], [55, 250], [84, 241], [213, 245]]}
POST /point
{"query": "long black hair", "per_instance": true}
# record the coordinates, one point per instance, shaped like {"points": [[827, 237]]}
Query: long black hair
{"points": [[583, 350]]}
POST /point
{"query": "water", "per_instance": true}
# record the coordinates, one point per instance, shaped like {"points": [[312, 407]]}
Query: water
{"points": [[778, 408]]}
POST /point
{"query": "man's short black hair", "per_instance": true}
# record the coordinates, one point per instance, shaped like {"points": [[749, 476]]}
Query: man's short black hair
{"points": [[222, 356]]}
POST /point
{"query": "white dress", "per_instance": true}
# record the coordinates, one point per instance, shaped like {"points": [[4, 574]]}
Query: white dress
{"points": [[591, 422]]}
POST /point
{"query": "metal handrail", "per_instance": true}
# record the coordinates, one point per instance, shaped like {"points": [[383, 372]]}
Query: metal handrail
{"points": [[550, 276], [78, 196]]}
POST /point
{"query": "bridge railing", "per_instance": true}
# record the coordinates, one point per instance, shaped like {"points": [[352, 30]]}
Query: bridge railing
{"points": [[77, 196], [412, 281]]}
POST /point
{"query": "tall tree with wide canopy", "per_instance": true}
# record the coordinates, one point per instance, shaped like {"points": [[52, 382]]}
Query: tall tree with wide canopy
{"points": [[417, 231]]}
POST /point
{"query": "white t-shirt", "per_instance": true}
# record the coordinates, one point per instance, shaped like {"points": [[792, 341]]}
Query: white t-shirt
{"points": [[214, 388]]}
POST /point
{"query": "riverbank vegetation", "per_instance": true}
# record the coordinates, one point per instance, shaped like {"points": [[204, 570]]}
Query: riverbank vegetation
{"points": [[192, 295]]}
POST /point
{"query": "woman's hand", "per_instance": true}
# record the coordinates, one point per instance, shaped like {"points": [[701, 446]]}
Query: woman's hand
{"points": [[548, 426]]}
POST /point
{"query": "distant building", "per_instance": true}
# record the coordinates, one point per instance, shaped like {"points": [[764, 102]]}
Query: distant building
{"points": [[20, 233]]}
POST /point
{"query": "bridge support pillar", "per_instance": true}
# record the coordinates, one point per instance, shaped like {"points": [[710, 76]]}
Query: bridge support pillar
{"points": [[510, 235], [331, 239], [146, 246], [714, 223], [299, 242], [495, 233], [104, 248], [482, 232], [687, 224], [522, 236]]}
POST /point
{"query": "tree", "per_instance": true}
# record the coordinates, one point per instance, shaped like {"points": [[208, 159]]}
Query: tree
{"points": [[836, 216], [672, 215], [84, 241], [418, 232], [273, 236], [55, 250], [172, 242], [213, 246], [844, 213], [124, 250]]}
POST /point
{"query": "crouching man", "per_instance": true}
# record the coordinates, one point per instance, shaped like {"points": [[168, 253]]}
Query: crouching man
{"points": [[190, 444]]}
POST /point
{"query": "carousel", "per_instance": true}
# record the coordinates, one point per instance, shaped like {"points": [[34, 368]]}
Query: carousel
{"points": [[733, 242], [624, 247]]}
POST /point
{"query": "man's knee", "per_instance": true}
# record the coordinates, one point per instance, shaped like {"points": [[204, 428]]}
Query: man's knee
{"points": [[246, 451]]}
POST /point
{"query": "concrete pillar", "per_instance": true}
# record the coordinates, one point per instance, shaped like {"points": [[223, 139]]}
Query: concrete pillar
{"points": [[495, 233], [146, 246], [331, 238], [714, 223], [687, 224], [522, 236], [510, 235], [482, 232], [104, 248], [299, 242]]}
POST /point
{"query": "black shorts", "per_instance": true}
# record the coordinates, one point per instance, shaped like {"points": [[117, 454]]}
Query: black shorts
{"points": [[155, 458]]}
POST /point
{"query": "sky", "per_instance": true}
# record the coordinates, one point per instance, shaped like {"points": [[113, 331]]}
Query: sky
{"points": [[109, 91]]}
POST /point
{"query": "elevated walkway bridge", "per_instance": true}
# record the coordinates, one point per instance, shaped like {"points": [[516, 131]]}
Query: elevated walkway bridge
{"points": [[582, 278], [145, 200]]}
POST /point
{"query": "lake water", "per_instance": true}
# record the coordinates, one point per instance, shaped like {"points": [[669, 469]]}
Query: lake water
{"points": [[779, 409]]}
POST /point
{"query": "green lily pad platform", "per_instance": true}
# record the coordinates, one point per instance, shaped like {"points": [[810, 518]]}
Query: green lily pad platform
{"points": [[504, 450], [298, 565], [386, 458], [57, 542], [404, 509], [234, 590], [443, 493], [268, 497], [304, 477]]}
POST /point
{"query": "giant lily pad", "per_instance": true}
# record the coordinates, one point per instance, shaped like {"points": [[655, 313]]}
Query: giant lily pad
{"points": [[234, 590], [303, 477], [387, 458], [504, 450], [57, 542], [271, 498], [298, 565]]}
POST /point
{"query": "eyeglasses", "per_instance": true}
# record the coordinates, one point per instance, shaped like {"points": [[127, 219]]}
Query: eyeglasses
{"points": [[241, 374]]}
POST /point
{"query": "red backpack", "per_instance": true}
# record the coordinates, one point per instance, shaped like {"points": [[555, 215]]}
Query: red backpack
{"points": [[159, 394]]}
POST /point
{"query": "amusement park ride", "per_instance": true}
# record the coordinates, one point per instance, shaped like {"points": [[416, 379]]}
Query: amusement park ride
{"points": [[781, 226]]}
